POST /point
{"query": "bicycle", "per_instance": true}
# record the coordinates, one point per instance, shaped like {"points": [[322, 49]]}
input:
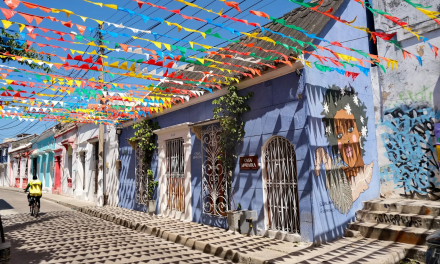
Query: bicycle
{"points": [[34, 206]]}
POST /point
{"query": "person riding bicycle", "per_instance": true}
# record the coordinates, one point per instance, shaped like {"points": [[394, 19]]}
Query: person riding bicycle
{"points": [[36, 190]]}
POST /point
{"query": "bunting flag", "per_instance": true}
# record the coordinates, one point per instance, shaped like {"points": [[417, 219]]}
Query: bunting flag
{"points": [[387, 37], [208, 32], [399, 22], [202, 61], [26, 94], [159, 44], [232, 4], [434, 15]]}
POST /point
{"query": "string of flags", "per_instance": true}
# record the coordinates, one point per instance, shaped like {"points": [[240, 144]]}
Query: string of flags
{"points": [[90, 100]]}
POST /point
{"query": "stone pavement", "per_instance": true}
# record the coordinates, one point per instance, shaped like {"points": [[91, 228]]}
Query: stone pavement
{"points": [[226, 245], [74, 237], [254, 249]]}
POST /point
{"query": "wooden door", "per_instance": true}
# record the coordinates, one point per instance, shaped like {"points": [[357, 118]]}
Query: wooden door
{"points": [[57, 182]]}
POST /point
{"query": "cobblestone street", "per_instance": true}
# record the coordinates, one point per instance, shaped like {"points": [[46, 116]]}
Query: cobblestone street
{"points": [[74, 237]]}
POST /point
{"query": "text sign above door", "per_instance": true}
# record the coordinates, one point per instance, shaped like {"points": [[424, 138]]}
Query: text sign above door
{"points": [[249, 163]]}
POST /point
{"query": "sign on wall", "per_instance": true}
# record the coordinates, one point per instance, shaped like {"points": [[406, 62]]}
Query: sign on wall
{"points": [[249, 163]]}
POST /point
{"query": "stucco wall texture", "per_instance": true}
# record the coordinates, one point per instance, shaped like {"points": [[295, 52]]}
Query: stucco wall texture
{"points": [[407, 104]]}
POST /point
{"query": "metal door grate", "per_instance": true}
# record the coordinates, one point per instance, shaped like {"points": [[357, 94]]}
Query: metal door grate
{"points": [[215, 197], [175, 162], [141, 179], [282, 185]]}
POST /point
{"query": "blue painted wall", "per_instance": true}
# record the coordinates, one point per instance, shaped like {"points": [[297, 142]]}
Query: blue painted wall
{"points": [[329, 223], [277, 110], [40, 146]]}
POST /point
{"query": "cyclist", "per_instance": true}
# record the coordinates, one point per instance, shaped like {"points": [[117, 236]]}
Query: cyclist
{"points": [[36, 190]]}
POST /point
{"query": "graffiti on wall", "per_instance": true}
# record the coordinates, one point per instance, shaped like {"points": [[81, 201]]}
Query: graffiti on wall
{"points": [[345, 122], [410, 149]]}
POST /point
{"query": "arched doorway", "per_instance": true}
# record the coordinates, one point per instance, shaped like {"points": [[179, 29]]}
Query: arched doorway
{"points": [[280, 185]]}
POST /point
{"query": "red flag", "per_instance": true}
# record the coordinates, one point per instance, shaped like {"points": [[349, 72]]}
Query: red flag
{"points": [[8, 13], [233, 5], [435, 49], [81, 28], [29, 18], [140, 3], [123, 46], [384, 36], [30, 28], [12, 4], [260, 14]]}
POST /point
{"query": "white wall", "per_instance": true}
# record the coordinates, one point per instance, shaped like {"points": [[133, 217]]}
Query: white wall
{"points": [[65, 174], [111, 153], [411, 86]]}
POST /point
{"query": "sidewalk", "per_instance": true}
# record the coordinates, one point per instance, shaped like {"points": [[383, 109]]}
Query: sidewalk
{"points": [[243, 249], [69, 202], [257, 249]]}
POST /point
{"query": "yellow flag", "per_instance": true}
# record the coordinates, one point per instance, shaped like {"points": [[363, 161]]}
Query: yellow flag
{"points": [[6, 24], [21, 26], [112, 6], [132, 68], [114, 64], [123, 66]]}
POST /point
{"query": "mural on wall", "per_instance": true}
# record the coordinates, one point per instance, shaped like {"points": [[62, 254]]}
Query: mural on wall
{"points": [[345, 122], [411, 150]]}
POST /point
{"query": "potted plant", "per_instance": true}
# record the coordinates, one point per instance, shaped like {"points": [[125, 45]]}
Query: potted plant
{"points": [[151, 187]]}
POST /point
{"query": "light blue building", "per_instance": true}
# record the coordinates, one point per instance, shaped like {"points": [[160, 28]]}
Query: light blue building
{"points": [[43, 158]]}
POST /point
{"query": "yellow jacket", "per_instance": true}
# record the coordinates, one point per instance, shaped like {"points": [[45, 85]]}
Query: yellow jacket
{"points": [[36, 188]]}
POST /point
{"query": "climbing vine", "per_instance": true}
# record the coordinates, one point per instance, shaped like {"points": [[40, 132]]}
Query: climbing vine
{"points": [[144, 139], [229, 111]]}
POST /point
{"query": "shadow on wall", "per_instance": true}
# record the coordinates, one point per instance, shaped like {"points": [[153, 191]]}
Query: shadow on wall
{"points": [[410, 149], [343, 163]]}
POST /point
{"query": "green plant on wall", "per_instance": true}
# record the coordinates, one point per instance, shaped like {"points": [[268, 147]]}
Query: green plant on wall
{"points": [[152, 184], [144, 140], [229, 111]]}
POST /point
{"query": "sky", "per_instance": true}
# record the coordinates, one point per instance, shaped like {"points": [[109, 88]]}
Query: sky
{"points": [[11, 127]]}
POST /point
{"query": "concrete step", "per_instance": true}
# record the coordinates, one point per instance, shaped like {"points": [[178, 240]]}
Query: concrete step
{"points": [[419, 207], [400, 234], [399, 219]]}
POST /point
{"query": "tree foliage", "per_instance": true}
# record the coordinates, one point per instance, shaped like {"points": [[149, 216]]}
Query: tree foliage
{"points": [[229, 111], [144, 138], [19, 47]]}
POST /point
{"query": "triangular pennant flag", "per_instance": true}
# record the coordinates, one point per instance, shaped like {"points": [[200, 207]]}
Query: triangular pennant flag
{"points": [[8, 13], [28, 18], [12, 4], [81, 28], [6, 24]]}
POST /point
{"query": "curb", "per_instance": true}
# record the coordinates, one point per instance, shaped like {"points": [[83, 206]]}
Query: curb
{"points": [[214, 250]]}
